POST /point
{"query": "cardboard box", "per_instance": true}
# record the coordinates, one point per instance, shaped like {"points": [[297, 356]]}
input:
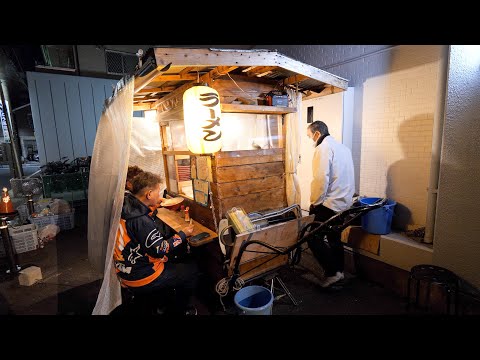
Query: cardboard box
{"points": [[29, 276], [358, 238]]}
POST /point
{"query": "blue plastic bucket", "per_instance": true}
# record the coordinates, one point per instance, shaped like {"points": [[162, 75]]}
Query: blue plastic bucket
{"points": [[254, 300], [378, 221]]}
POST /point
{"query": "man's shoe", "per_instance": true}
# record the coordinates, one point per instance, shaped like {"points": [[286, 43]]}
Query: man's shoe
{"points": [[332, 279]]}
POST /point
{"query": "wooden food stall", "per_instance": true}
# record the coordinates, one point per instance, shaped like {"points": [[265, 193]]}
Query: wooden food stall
{"points": [[255, 90]]}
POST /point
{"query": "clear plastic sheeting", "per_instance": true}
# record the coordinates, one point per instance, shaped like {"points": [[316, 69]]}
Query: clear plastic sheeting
{"points": [[293, 121], [250, 131], [146, 145], [108, 172]]}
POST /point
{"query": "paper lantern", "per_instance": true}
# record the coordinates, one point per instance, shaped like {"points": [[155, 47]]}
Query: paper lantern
{"points": [[201, 111]]}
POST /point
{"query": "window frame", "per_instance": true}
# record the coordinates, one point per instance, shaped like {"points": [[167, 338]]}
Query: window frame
{"points": [[75, 68], [165, 154]]}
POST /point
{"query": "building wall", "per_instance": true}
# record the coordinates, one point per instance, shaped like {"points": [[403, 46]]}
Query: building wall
{"points": [[396, 139], [91, 58], [457, 228], [395, 99], [66, 110], [325, 56]]}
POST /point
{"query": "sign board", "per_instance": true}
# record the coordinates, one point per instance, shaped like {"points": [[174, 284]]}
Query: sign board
{"points": [[6, 135], [201, 189], [204, 168]]}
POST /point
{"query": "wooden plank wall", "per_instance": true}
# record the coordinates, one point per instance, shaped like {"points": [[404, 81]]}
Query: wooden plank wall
{"points": [[66, 110], [252, 179]]}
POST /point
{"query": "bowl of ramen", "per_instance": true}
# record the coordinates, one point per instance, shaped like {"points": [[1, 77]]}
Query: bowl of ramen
{"points": [[172, 203]]}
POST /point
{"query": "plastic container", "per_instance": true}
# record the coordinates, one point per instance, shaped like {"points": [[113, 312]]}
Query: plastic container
{"points": [[60, 183], [254, 300], [24, 238], [23, 211], [239, 220], [22, 187], [378, 221], [64, 221]]}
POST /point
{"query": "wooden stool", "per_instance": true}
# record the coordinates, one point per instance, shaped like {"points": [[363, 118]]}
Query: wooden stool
{"points": [[432, 274]]}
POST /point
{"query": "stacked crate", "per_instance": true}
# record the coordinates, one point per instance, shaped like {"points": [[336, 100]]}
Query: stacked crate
{"points": [[24, 238]]}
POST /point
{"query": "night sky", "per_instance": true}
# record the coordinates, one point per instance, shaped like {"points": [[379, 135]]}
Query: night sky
{"points": [[15, 60]]}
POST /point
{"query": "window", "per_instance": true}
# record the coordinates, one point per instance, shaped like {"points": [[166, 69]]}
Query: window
{"points": [[58, 57], [177, 159], [309, 114], [120, 63], [251, 131]]}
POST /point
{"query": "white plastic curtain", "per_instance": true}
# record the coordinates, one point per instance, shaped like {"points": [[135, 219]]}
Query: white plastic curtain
{"points": [[293, 121], [108, 172], [146, 144]]}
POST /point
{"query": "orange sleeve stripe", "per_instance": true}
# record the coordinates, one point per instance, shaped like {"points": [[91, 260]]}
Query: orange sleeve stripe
{"points": [[126, 238], [158, 268], [116, 249], [121, 239]]}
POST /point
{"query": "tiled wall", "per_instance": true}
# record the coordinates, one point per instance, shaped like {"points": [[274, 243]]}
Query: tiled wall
{"points": [[395, 99], [396, 139]]}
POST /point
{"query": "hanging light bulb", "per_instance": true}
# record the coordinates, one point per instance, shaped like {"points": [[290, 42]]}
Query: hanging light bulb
{"points": [[201, 111]]}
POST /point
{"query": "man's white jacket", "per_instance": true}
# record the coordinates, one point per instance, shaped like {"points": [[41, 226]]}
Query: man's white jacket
{"points": [[333, 181]]}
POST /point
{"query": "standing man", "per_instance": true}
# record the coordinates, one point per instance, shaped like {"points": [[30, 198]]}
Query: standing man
{"points": [[332, 191]]}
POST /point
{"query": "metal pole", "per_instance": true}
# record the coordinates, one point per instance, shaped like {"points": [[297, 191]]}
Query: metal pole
{"points": [[438, 120], [7, 243], [30, 205], [13, 141]]}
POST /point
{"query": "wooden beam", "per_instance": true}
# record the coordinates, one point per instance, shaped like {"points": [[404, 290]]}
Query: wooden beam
{"points": [[249, 68], [177, 152], [265, 200], [186, 70], [294, 79], [256, 109], [174, 99], [311, 71], [174, 114], [141, 81], [139, 107], [207, 57], [174, 77], [157, 89], [260, 70], [246, 187], [327, 90], [252, 88], [221, 70], [245, 172], [248, 157]]}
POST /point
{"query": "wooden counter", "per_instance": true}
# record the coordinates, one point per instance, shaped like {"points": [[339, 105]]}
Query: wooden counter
{"points": [[176, 221]]}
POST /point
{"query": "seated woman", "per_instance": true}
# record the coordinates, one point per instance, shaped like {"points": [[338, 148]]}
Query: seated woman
{"points": [[132, 171]]}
